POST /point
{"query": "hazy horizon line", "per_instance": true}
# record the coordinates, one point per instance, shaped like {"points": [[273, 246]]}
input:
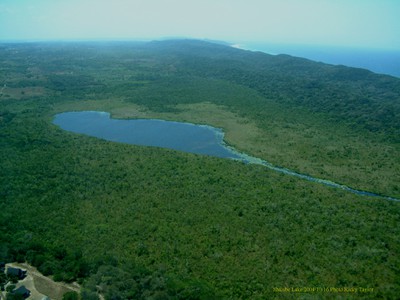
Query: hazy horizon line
{"points": [[242, 44]]}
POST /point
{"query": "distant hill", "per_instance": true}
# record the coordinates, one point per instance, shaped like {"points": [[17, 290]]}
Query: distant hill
{"points": [[356, 97]]}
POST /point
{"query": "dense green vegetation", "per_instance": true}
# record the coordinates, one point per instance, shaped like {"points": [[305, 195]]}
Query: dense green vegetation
{"points": [[135, 222]]}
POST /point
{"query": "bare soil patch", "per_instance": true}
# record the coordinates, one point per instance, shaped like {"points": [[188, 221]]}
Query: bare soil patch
{"points": [[41, 286]]}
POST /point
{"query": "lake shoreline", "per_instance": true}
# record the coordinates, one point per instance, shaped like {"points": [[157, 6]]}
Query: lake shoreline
{"points": [[72, 121]]}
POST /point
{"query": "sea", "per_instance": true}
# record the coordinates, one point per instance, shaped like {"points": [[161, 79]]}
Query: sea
{"points": [[379, 61]]}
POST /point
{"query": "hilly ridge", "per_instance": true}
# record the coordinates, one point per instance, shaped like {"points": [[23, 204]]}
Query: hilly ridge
{"points": [[133, 222], [356, 97]]}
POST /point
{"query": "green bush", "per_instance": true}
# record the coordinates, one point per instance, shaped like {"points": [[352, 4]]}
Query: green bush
{"points": [[71, 296]]}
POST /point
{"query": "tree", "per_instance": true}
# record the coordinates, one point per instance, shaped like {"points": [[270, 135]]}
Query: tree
{"points": [[15, 297], [71, 296]]}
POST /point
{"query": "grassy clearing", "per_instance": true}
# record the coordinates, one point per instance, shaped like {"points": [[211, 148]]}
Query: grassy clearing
{"points": [[307, 146], [22, 93]]}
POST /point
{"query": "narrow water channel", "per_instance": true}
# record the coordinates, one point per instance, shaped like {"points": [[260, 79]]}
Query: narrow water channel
{"points": [[186, 137]]}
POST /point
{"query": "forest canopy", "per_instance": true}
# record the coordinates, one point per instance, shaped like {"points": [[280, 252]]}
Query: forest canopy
{"points": [[133, 222]]}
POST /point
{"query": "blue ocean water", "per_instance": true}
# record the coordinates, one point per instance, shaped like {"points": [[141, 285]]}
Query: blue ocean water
{"points": [[377, 61]]}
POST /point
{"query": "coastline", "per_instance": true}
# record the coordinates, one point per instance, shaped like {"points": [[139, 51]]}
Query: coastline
{"points": [[381, 61]]}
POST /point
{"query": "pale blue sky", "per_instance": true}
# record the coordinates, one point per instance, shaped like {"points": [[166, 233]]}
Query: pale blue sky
{"points": [[353, 23]]}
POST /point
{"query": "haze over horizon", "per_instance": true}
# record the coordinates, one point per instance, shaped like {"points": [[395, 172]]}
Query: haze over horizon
{"points": [[350, 23]]}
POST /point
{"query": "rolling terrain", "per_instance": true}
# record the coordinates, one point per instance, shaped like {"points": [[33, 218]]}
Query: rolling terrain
{"points": [[140, 222]]}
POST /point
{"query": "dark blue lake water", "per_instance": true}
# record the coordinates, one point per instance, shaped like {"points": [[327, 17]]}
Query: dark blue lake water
{"points": [[186, 137], [375, 60], [199, 139]]}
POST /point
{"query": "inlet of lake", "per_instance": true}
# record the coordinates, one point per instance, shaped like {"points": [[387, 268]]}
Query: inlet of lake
{"points": [[186, 137]]}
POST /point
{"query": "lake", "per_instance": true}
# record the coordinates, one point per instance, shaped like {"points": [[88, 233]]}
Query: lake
{"points": [[186, 137]]}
